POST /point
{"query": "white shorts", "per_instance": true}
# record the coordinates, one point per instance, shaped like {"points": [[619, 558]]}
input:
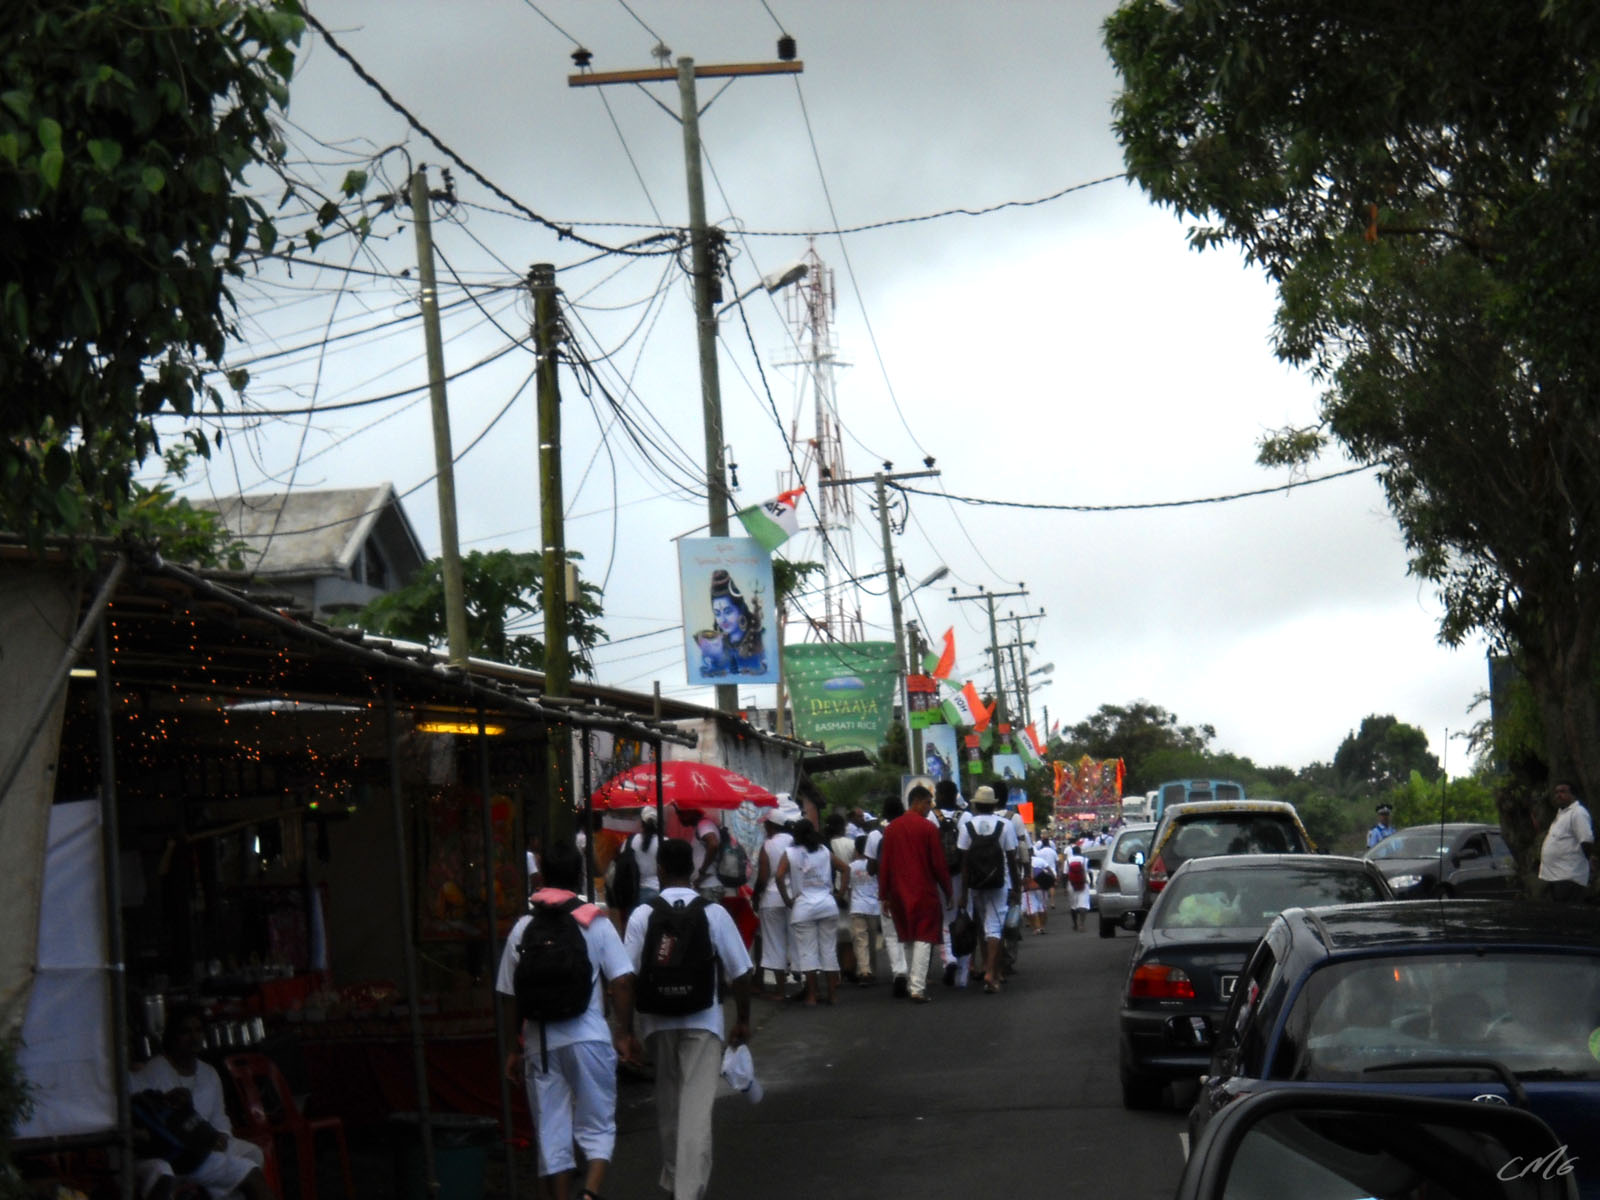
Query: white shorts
{"points": [[989, 910], [575, 1100]]}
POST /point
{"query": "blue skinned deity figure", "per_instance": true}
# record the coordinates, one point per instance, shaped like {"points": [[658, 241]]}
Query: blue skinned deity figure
{"points": [[734, 647]]}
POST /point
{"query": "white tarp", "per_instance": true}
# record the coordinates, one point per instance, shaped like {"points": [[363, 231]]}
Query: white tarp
{"points": [[66, 1037], [38, 616]]}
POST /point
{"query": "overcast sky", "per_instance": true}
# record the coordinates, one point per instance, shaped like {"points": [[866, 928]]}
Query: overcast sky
{"points": [[1073, 352]]}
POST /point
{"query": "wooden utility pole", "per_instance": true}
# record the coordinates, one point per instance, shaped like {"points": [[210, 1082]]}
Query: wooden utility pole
{"points": [[1000, 711], [706, 268], [553, 552], [455, 604], [1024, 688]]}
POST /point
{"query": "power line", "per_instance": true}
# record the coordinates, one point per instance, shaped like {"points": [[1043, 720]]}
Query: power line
{"points": [[1096, 508]]}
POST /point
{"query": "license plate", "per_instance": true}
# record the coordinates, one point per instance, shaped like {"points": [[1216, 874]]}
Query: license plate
{"points": [[1225, 986]]}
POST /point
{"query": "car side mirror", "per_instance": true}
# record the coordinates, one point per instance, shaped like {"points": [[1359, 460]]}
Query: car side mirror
{"points": [[1138, 859], [1319, 1142]]}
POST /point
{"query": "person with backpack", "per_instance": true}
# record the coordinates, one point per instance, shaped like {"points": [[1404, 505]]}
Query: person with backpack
{"points": [[550, 977], [1043, 869], [949, 816], [806, 880], [1076, 873], [706, 842], [989, 876], [678, 943]]}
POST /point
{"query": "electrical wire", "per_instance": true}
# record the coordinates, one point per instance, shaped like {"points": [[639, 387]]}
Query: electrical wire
{"points": [[1100, 508]]}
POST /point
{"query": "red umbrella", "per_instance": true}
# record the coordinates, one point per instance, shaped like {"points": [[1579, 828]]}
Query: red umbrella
{"points": [[686, 784]]}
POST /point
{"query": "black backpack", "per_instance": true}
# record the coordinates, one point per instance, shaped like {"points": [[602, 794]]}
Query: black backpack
{"points": [[733, 865], [678, 965], [986, 861], [950, 841], [623, 891]]}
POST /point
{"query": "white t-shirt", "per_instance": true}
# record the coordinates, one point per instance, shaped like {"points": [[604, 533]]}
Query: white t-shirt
{"points": [[863, 890], [984, 823], [1044, 858], [606, 957], [874, 840], [774, 848], [1561, 856], [810, 882], [205, 1088], [698, 845], [648, 876], [725, 940]]}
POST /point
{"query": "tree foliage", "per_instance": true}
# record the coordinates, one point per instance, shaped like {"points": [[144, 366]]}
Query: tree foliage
{"points": [[127, 130], [1422, 183], [1383, 754], [1149, 740], [503, 590]]}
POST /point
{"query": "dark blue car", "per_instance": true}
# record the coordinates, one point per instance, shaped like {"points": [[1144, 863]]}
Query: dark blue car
{"points": [[1492, 1001]]}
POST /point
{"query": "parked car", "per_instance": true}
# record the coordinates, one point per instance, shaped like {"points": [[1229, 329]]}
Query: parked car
{"points": [[1497, 1001], [1194, 945], [1460, 859], [1211, 827], [1119, 891]]}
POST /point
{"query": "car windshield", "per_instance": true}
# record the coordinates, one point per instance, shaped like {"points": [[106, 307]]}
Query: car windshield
{"points": [[1539, 1014], [1412, 843], [1251, 897], [1130, 844], [1231, 833]]}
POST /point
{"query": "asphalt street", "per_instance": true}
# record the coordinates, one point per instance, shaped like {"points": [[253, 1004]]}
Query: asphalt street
{"points": [[972, 1095]]}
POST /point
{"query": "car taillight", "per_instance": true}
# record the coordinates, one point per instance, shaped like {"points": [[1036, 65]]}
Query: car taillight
{"points": [[1108, 881], [1155, 875], [1156, 981]]}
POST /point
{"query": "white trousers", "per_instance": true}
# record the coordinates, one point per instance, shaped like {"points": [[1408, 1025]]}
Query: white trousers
{"points": [[816, 944], [688, 1065], [920, 955], [893, 946], [775, 954], [575, 1100]]}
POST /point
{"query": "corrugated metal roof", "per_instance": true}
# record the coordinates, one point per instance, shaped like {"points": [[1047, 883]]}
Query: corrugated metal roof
{"points": [[304, 532]]}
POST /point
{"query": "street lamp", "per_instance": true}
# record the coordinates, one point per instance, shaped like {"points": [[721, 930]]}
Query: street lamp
{"points": [[1043, 669], [772, 281], [937, 574]]}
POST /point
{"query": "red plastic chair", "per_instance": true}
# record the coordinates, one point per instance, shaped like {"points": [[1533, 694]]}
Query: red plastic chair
{"points": [[269, 1109]]}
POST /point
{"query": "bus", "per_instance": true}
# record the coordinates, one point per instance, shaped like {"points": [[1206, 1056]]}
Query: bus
{"points": [[1181, 791]]}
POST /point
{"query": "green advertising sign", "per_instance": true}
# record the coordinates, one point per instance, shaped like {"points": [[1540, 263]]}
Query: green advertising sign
{"points": [[843, 692]]}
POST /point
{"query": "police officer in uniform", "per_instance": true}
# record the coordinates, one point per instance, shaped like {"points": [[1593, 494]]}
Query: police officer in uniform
{"points": [[1382, 829]]}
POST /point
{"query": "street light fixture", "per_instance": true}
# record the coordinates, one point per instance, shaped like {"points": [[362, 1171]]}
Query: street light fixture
{"points": [[772, 281], [937, 574], [1043, 669]]}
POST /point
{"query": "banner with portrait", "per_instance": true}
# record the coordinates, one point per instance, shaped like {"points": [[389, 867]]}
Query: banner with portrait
{"points": [[940, 759], [728, 610]]}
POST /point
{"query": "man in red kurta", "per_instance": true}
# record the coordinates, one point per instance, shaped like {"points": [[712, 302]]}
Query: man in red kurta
{"points": [[914, 885]]}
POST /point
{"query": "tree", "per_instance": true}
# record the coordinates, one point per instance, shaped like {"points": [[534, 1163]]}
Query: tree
{"points": [[1432, 221], [1138, 733], [501, 587], [127, 130], [1382, 755]]}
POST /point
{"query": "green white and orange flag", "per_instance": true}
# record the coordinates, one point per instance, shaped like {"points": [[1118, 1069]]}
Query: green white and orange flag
{"points": [[941, 664], [1030, 737], [773, 523], [966, 708]]}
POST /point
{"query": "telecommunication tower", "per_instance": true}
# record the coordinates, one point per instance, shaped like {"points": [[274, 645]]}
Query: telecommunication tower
{"points": [[820, 455]]}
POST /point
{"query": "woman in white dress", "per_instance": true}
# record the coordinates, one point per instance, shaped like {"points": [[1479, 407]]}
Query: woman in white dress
{"points": [[776, 952], [645, 844], [808, 875]]}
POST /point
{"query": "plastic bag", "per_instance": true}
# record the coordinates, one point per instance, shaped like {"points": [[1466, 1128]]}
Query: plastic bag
{"points": [[739, 1071]]}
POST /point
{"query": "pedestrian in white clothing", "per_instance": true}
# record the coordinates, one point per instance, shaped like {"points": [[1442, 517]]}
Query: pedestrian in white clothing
{"points": [[864, 914], [989, 876], [808, 875], [893, 948], [777, 942], [569, 1066]]}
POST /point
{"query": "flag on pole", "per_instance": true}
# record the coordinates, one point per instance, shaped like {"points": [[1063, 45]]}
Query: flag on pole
{"points": [[773, 523], [940, 665], [1031, 737], [966, 708], [1025, 748]]}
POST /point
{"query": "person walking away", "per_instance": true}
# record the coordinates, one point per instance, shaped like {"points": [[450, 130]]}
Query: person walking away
{"points": [[554, 962], [777, 943], [949, 817], [806, 880], [988, 855], [893, 948], [914, 884], [678, 944], [232, 1164], [864, 915], [843, 844], [1382, 829], [1046, 864], [1567, 854], [1077, 876], [706, 840], [644, 844]]}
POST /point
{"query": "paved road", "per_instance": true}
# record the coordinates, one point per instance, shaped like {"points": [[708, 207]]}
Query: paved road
{"points": [[970, 1096]]}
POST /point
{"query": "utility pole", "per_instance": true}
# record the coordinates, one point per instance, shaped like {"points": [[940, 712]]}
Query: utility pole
{"points": [[705, 266], [1023, 687], [880, 481], [455, 604], [553, 541], [1000, 713]]}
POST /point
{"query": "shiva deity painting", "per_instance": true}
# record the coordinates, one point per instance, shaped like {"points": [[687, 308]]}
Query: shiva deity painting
{"points": [[727, 606]]}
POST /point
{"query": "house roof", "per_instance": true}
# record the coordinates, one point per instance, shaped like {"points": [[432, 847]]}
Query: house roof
{"points": [[308, 532]]}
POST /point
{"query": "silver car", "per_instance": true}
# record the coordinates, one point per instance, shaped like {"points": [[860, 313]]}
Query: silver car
{"points": [[1119, 891]]}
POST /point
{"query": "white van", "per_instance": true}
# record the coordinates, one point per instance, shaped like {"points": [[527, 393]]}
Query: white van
{"points": [[1135, 808]]}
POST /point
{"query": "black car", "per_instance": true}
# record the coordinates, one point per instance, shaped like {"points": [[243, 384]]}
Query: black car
{"points": [[1459, 859], [1194, 945], [1494, 1001]]}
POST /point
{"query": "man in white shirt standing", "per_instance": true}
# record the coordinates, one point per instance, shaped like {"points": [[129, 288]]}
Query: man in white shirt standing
{"points": [[705, 842], [1568, 850], [686, 1046], [569, 1066], [992, 887]]}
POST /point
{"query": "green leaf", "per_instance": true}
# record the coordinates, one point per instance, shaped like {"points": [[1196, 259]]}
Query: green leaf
{"points": [[153, 178], [105, 153], [16, 101], [266, 234], [10, 147], [355, 182], [50, 163], [49, 133]]}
